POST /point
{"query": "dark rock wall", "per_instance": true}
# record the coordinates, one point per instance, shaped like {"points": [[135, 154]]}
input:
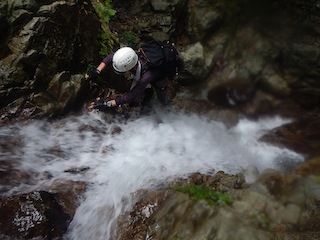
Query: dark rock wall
{"points": [[272, 46], [41, 39]]}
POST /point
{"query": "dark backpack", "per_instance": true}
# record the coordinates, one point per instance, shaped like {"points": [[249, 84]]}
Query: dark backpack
{"points": [[161, 55]]}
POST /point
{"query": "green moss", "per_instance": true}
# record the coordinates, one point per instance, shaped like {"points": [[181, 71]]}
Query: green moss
{"points": [[107, 38], [105, 11], [106, 43], [130, 37], [204, 193]]}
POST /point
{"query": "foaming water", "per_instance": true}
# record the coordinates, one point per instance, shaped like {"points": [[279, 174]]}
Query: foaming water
{"points": [[145, 153]]}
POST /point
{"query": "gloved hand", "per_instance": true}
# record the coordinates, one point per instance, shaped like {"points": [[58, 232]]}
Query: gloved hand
{"points": [[92, 74], [101, 105]]}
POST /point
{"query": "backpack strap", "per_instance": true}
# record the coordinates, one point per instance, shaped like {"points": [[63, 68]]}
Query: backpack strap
{"points": [[143, 55], [144, 68]]}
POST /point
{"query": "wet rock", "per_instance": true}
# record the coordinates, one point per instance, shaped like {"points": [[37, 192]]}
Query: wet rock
{"points": [[54, 86], [300, 195], [3, 28], [302, 136], [11, 111], [10, 176], [77, 170], [223, 182], [70, 91], [68, 193], [40, 214], [275, 84], [194, 61], [115, 130], [203, 19], [278, 184], [62, 94], [262, 104], [145, 19], [19, 17], [250, 173], [297, 203], [219, 181], [232, 93], [33, 215], [309, 167], [134, 225], [276, 206], [42, 40], [168, 215], [288, 108], [163, 5], [308, 97], [182, 217], [20, 4], [228, 117]]}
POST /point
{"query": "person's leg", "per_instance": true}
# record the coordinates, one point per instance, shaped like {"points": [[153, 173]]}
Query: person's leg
{"points": [[144, 97], [145, 105], [161, 91], [148, 93]]}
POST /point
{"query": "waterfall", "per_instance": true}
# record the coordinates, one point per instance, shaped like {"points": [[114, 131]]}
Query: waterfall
{"points": [[146, 152]]}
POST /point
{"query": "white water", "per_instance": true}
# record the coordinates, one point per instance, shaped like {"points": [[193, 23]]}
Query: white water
{"points": [[147, 152]]}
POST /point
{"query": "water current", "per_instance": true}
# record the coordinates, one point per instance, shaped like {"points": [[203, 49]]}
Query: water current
{"points": [[147, 152]]}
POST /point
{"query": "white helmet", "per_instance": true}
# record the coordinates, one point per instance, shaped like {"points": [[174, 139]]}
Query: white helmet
{"points": [[124, 59]]}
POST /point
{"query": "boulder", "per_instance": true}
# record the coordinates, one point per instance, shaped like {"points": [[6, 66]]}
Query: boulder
{"points": [[40, 214], [260, 210], [301, 135], [33, 215], [43, 39], [196, 61], [203, 19]]}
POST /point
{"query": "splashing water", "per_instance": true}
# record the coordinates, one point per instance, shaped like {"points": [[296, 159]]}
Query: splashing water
{"points": [[147, 152]]}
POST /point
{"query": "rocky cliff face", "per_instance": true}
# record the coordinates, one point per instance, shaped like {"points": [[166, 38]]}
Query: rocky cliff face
{"points": [[271, 46], [39, 40]]}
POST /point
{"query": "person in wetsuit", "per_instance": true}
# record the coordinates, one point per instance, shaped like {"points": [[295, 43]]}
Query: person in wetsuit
{"points": [[144, 79]]}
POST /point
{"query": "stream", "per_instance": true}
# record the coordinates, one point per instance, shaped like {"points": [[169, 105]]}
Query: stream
{"points": [[116, 158]]}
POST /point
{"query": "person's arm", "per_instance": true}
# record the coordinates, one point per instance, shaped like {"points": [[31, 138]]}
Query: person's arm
{"points": [[101, 66], [135, 92], [107, 61], [92, 74]]}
